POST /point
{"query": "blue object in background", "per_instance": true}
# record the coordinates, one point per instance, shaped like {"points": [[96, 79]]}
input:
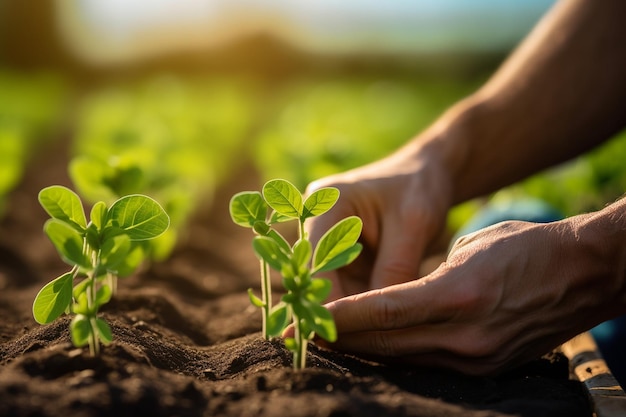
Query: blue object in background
{"points": [[527, 209], [610, 336]]}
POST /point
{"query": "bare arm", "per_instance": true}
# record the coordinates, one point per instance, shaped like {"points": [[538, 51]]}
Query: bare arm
{"points": [[560, 93]]}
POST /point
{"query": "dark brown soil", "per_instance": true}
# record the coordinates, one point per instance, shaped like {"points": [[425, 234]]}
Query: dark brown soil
{"points": [[187, 341]]}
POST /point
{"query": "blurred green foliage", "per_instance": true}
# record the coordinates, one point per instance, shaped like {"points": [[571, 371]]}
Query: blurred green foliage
{"points": [[171, 139], [585, 184], [323, 126], [32, 109], [176, 138]]}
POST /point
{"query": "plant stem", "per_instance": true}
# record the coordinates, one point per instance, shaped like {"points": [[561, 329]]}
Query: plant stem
{"points": [[301, 229], [299, 354], [266, 294], [93, 338]]}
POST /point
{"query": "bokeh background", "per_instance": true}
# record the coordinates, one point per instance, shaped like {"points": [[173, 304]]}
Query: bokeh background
{"points": [[174, 98]]}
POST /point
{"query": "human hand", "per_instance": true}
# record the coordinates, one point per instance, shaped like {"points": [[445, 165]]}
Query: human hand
{"points": [[403, 201], [505, 295]]}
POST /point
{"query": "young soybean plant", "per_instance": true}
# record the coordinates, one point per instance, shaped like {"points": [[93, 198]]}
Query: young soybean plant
{"points": [[99, 251], [297, 263]]}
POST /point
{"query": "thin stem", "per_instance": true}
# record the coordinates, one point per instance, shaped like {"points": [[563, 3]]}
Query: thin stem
{"points": [[301, 229], [93, 338], [266, 294], [299, 355]]}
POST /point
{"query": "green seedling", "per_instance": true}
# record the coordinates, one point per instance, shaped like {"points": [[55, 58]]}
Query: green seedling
{"points": [[107, 247], [298, 263]]}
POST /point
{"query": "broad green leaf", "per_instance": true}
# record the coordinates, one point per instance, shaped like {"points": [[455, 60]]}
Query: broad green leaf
{"points": [[53, 299], [68, 242], [320, 201], [276, 217], [132, 261], [92, 236], [98, 214], [336, 240], [317, 318], [81, 305], [323, 324], [268, 250], [103, 295], [302, 254], [80, 330], [139, 216], [344, 258], [319, 289], [280, 240], [114, 251], [283, 197], [63, 204], [104, 331], [291, 344], [278, 319], [247, 208], [256, 301], [80, 288]]}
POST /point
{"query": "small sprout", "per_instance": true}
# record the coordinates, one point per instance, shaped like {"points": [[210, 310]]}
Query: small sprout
{"points": [[298, 263], [107, 247]]}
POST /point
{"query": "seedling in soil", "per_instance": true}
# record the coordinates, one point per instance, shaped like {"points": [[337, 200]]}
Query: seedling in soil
{"points": [[107, 247], [297, 263]]}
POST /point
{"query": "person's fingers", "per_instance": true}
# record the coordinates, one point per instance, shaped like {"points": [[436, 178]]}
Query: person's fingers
{"points": [[399, 255], [399, 306]]}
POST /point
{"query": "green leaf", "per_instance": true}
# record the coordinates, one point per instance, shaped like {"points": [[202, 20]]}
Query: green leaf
{"points": [[139, 216], [247, 208], [114, 251], [278, 319], [280, 240], [80, 330], [131, 261], [103, 295], [268, 250], [98, 214], [320, 201], [283, 197], [276, 217], [68, 242], [318, 289], [301, 254], [80, 288], [92, 236], [104, 331], [317, 318], [81, 305], [63, 204], [291, 344], [290, 285], [344, 258], [53, 299], [336, 240], [256, 301]]}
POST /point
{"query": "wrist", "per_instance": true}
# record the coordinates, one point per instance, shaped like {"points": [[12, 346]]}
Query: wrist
{"points": [[449, 145], [602, 235]]}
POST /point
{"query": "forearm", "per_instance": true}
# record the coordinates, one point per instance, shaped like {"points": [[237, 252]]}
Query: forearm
{"points": [[560, 93]]}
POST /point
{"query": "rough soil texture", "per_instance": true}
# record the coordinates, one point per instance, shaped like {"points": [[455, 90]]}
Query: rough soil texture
{"points": [[187, 341]]}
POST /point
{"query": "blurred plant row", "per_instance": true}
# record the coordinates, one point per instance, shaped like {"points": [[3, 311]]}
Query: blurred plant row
{"points": [[176, 139]]}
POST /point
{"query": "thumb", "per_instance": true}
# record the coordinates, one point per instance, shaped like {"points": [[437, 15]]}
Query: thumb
{"points": [[399, 255]]}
